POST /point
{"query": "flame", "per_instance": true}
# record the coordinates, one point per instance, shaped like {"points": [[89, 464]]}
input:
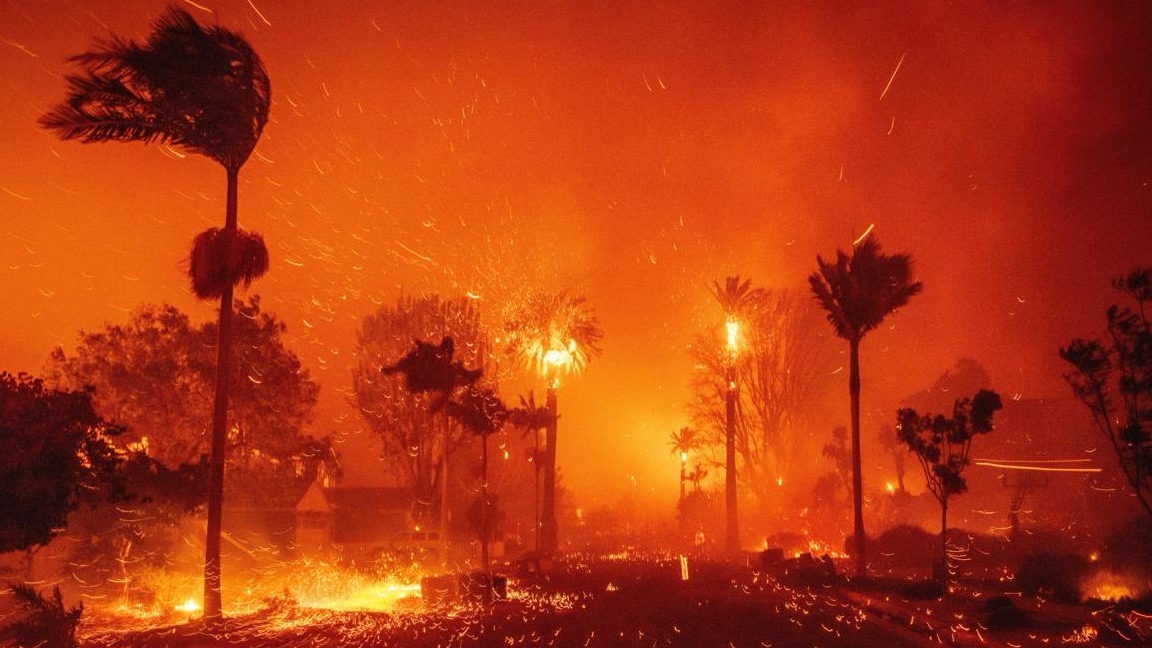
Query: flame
{"points": [[1106, 585], [191, 606], [733, 328]]}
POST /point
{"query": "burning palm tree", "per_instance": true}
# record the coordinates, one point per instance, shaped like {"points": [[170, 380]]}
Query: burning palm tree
{"points": [[553, 335], [203, 90], [739, 300]]}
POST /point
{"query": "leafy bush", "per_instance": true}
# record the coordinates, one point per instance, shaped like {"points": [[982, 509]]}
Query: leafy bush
{"points": [[1055, 575], [44, 622], [1000, 612], [905, 547], [924, 590]]}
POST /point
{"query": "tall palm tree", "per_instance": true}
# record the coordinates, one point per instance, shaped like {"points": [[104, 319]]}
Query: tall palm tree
{"points": [[203, 90], [552, 334], [738, 299], [857, 293]]}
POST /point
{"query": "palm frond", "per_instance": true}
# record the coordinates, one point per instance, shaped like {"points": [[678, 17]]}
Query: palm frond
{"points": [[223, 258], [547, 325], [858, 292], [200, 89]]}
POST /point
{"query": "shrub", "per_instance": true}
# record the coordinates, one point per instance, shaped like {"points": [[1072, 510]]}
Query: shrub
{"points": [[1000, 612], [1054, 575], [44, 622], [923, 590]]}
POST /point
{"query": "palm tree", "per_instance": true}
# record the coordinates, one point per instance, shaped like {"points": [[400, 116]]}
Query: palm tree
{"points": [[430, 369], [482, 413], [531, 418], [203, 90], [683, 442], [739, 300], [552, 334], [857, 293]]}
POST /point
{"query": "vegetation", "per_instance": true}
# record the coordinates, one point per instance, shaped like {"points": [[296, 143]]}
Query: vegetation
{"points": [[155, 372], [857, 292], [1114, 380], [54, 455], [779, 369], [942, 443], [415, 441], [44, 622], [552, 334], [203, 90]]}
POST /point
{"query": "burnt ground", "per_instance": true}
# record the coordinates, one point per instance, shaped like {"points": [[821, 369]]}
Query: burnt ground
{"points": [[643, 602], [618, 603]]}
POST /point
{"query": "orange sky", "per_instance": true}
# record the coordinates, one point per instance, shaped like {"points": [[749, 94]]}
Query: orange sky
{"points": [[633, 154]]}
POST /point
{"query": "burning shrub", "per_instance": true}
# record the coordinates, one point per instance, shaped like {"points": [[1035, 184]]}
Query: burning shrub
{"points": [[1054, 575], [45, 622]]}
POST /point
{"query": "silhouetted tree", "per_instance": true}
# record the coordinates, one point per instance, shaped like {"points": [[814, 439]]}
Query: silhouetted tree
{"points": [[967, 377], [1114, 380], [531, 419], [54, 454], [552, 334], [857, 293], [941, 444], [482, 413], [203, 90], [414, 440]]}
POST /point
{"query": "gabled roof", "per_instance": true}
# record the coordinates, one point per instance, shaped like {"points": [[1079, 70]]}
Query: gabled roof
{"points": [[314, 500], [355, 498]]}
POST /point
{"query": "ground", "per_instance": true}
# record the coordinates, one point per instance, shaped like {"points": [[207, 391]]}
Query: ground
{"points": [[643, 601]]}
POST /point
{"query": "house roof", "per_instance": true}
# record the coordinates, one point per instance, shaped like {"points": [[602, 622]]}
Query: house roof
{"points": [[355, 498]]}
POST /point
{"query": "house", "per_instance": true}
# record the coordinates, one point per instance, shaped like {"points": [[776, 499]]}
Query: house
{"points": [[355, 519]]}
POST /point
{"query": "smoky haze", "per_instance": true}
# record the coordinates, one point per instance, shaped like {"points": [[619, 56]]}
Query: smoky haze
{"points": [[634, 153]]}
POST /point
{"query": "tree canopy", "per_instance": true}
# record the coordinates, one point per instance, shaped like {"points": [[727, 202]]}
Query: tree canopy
{"points": [[155, 374], [412, 437], [1113, 378], [781, 367], [54, 455]]}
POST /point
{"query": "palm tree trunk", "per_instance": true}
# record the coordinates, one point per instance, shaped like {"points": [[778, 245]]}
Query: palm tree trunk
{"points": [[548, 530], [944, 542], [857, 481], [732, 526], [213, 606], [445, 511], [485, 536]]}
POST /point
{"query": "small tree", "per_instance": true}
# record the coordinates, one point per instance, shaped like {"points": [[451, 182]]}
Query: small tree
{"points": [[941, 444], [53, 456], [1114, 380]]}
